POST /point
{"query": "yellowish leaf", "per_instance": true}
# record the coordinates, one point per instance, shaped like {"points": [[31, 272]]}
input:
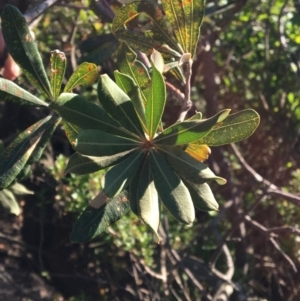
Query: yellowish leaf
{"points": [[199, 152]]}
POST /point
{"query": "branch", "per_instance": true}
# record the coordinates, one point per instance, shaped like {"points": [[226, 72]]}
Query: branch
{"points": [[263, 229], [35, 11], [271, 188]]}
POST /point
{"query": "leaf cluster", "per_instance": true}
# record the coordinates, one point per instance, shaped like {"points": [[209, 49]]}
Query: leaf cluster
{"points": [[148, 165]]}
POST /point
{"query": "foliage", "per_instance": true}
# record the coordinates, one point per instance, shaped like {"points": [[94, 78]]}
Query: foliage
{"points": [[147, 163], [247, 57]]}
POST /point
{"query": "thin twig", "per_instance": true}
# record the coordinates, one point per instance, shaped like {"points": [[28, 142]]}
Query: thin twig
{"points": [[271, 188], [272, 240], [187, 104]]}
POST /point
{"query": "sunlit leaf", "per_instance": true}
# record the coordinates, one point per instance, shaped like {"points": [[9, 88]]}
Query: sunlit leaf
{"points": [[50, 127], [156, 100], [118, 105], [145, 43], [98, 143], [12, 92], [85, 74], [186, 132], [189, 168], [58, 67], [19, 189], [185, 17], [23, 49], [81, 165], [129, 65], [71, 131], [119, 176], [148, 203], [97, 218], [160, 28], [14, 158], [171, 190], [202, 196], [86, 115], [234, 128], [127, 84], [9, 202]]}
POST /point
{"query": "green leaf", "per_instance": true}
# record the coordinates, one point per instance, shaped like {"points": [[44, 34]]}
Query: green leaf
{"points": [[71, 131], [197, 116], [189, 131], [98, 216], [156, 100], [99, 48], [189, 168], [160, 28], [50, 127], [9, 91], [120, 175], [118, 105], [9, 202], [132, 192], [85, 74], [171, 190], [23, 49], [148, 204], [127, 84], [81, 165], [58, 67], [14, 158], [234, 128], [98, 143], [129, 65], [86, 115], [23, 174], [145, 43], [185, 17], [202, 196]]}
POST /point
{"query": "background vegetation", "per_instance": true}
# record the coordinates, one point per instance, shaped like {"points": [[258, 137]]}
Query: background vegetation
{"points": [[249, 250]]}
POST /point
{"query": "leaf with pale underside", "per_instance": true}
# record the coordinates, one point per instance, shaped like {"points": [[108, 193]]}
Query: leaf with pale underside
{"points": [[202, 196], [14, 158], [9, 202], [86, 115], [185, 17], [118, 105], [58, 67], [23, 49], [81, 165], [189, 168], [99, 215], [9, 91], [148, 203], [234, 128], [86, 74], [120, 175], [171, 190], [127, 84], [186, 132], [156, 100], [98, 143]]}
